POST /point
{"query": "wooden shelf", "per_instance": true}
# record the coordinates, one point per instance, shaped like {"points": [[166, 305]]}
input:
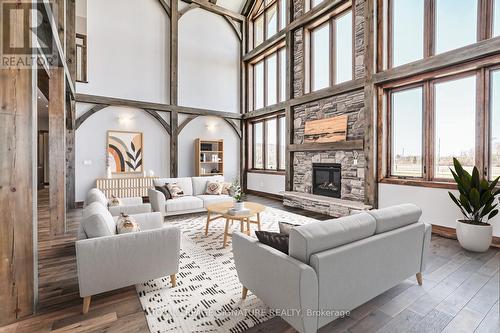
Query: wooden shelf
{"points": [[339, 145], [207, 149]]}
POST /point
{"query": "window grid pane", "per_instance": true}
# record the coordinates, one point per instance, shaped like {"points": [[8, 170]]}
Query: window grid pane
{"points": [[259, 85], [272, 88], [271, 144], [406, 109], [343, 49], [456, 24], [496, 18], [282, 14], [258, 152], [455, 108], [320, 57], [282, 78], [282, 142], [495, 125], [258, 27], [407, 31], [271, 21]]}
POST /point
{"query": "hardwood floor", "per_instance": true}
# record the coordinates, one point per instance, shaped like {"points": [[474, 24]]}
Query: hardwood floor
{"points": [[459, 294]]}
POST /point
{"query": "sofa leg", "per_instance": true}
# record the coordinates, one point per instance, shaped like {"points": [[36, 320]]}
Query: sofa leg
{"points": [[244, 292], [419, 278], [86, 304], [173, 280]]}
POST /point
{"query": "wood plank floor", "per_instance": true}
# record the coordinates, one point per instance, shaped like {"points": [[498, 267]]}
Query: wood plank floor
{"points": [[460, 293]]}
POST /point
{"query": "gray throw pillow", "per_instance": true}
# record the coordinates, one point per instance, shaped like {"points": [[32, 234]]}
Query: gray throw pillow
{"points": [[285, 227]]}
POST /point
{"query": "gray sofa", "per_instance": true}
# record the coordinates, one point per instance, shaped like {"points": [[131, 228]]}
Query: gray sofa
{"points": [[337, 264], [194, 199], [107, 260], [129, 206]]}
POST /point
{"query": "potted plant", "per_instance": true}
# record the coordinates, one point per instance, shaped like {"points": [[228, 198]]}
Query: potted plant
{"points": [[477, 204], [237, 194]]}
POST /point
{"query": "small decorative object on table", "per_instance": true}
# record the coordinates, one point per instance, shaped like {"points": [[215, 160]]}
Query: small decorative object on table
{"points": [[238, 195], [477, 204]]}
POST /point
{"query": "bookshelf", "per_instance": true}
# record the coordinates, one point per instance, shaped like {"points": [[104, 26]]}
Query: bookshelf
{"points": [[209, 157]]}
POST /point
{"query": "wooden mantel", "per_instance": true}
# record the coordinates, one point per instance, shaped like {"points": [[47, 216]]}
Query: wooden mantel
{"points": [[339, 145]]}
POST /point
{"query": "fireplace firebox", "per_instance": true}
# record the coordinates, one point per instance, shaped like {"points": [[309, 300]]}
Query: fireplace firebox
{"points": [[327, 179]]}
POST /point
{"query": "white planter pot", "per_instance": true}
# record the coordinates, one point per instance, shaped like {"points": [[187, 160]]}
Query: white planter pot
{"points": [[239, 205], [476, 238]]}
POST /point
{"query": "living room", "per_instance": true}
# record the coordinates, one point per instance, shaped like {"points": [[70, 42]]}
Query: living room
{"points": [[250, 166]]}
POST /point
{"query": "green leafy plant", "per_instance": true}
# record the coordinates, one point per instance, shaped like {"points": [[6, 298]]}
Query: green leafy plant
{"points": [[236, 191], [477, 196]]}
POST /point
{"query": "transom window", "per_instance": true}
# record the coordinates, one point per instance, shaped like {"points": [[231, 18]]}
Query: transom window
{"points": [[432, 122], [423, 28], [268, 76], [331, 51], [269, 17], [268, 143]]}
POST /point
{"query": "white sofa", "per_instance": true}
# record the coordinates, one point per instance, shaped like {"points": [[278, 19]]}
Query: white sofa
{"points": [[337, 264], [194, 199], [107, 260], [129, 206]]}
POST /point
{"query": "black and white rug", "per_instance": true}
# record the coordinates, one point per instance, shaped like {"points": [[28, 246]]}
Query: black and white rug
{"points": [[207, 297]]}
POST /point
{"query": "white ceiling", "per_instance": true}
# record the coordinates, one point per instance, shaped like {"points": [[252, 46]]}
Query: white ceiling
{"points": [[233, 5]]}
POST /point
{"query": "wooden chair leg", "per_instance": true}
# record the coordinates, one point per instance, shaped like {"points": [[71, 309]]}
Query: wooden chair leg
{"points": [[226, 230], [244, 292], [173, 280], [419, 278], [86, 304]]}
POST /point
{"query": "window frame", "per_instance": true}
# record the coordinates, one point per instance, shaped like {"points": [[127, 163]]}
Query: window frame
{"points": [[481, 126], [484, 28], [263, 121], [331, 20], [261, 10], [83, 47]]}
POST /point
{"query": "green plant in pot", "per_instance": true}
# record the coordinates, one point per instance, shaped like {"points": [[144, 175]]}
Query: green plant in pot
{"points": [[477, 202], [237, 194]]}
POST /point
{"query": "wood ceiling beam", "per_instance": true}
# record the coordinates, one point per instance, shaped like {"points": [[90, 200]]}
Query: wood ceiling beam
{"points": [[165, 6], [207, 5], [92, 99]]}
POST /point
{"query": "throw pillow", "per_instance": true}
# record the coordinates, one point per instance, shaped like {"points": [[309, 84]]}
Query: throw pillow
{"points": [[273, 239], [114, 201], [163, 189], [175, 190], [126, 224], [214, 187], [226, 188], [285, 227]]}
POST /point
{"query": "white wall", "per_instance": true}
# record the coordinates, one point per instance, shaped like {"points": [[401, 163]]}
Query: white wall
{"points": [[210, 128], [90, 144], [437, 207], [208, 62], [128, 50], [274, 184]]}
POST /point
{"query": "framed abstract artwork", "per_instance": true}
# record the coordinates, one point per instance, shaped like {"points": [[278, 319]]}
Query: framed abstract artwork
{"points": [[125, 152]]}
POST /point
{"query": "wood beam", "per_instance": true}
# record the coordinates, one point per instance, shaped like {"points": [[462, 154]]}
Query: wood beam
{"points": [[462, 55], [187, 9], [235, 27], [185, 122], [92, 99], [166, 7], [70, 152], [234, 126], [16, 190], [174, 51], [339, 145], [207, 5], [247, 7], [159, 118], [86, 115], [174, 147], [57, 151], [289, 115]]}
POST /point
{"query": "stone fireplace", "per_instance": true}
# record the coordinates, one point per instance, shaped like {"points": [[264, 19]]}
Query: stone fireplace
{"points": [[327, 179]]}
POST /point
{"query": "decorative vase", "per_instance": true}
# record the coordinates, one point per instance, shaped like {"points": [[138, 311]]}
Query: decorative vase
{"points": [[476, 238], [109, 174], [239, 205]]}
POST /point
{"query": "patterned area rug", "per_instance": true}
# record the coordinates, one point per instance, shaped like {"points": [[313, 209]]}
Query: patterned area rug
{"points": [[207, 297]]}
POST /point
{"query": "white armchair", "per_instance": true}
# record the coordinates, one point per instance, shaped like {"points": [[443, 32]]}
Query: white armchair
{"points": [[108, 261], [127, 205]]}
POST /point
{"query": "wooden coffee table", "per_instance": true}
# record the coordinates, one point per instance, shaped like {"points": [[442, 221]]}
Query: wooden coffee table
{"points": [[220, 210]]}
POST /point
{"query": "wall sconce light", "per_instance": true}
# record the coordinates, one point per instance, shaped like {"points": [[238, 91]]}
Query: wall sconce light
{"points": [[211, 127], [125, 119]]}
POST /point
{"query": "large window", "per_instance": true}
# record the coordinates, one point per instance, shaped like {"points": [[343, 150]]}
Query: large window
{"points": [[331, 51], [456, 24], [268, 149], [494, 125], [268, 80], [406, 133], [407, 31], [496, 18], [268, 18]]}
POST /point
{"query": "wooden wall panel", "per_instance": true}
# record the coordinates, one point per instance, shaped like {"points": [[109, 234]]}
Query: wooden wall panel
{"points": [[16, 195], [57, 151]]}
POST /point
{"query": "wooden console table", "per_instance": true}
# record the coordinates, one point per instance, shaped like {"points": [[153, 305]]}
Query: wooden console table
{"points": [[125, 187]]}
